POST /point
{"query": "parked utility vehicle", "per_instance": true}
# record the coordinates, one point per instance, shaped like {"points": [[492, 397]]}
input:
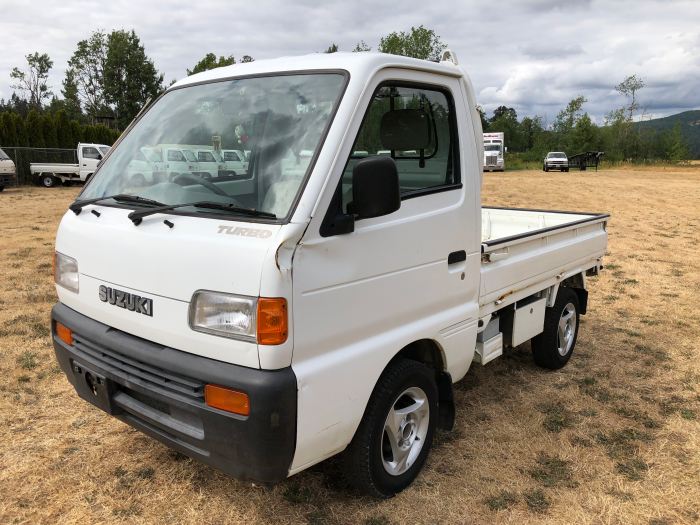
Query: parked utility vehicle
{"points": [[8, 171], [494, 151], [234, 162], [50, 174], [266, 324], [555, 160]]}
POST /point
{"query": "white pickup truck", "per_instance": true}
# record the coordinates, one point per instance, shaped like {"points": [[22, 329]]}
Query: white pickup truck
{"points": [[263, 325], [50, 174]]}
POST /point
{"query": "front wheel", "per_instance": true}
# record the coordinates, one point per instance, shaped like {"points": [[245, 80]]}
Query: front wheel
{"points": [[553, 347], [544, 168], [396, 432]]}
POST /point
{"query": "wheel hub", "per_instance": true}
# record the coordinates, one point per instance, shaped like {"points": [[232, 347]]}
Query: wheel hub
{"points": [[405, 431]]}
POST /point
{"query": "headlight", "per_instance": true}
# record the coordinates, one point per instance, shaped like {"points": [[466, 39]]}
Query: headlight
{"points": [[224, 314], [255, 319], [66, 272]]}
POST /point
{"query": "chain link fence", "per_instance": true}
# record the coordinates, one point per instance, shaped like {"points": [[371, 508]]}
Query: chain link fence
{"points": [[22, 157]]}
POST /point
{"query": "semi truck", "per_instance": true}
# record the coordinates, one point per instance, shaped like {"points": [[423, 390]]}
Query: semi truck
{"points": [[327, 303], [50, 174], [494, 149]]}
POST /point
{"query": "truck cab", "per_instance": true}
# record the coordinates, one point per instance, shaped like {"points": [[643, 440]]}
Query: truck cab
{"points": [[327, 303], [494, 150]]}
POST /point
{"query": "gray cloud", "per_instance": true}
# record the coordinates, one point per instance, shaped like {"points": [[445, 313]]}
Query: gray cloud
{"points": [[533, 55]]}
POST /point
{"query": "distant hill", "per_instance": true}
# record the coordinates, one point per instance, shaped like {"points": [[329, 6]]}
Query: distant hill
{"points": [[690, 128]]}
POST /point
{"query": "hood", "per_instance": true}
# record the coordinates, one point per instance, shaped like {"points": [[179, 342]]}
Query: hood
{"points": [[166, 265]]}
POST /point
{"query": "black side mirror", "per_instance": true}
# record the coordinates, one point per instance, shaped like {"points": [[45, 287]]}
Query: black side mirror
{"points": [[375, 187]]}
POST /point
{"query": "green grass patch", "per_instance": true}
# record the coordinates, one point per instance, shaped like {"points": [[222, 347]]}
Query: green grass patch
{"points": [[502, 500], [552, 471]]}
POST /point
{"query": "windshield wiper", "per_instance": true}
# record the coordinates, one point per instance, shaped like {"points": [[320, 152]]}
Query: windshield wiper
{"points": [[137, 216], [77, 206]]}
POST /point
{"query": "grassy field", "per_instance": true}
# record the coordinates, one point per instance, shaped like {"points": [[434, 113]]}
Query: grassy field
{"points": [[612, 438]]}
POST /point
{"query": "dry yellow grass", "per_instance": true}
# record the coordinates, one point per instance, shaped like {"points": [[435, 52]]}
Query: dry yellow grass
{"points": [[612, 438]]}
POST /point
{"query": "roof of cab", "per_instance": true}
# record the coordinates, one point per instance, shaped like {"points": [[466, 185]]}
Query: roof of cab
{"points": [[354, 63]]}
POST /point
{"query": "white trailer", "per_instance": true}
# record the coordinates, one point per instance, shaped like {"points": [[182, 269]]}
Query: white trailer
{"points": [[50, 174], [327, 303], [494, 151]]}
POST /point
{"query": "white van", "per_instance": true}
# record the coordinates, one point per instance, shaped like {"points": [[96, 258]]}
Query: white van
{"points": [[8, 171]]}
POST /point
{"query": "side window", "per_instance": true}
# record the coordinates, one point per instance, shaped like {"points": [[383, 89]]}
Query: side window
{"points": [[416, 126], [175, 156], [91, 153]]}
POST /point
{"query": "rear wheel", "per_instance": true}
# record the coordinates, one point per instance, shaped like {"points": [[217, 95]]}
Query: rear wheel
{"points": [[47, 180], [553, 347], [2, 188], [396, 432]]}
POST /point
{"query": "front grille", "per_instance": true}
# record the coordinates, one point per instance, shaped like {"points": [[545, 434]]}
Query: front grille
{"points": [[491, 161], [129, 368]]}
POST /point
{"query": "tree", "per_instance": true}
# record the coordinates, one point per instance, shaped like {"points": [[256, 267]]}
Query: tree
{"points": [[628, 88], [20, 130], [63, 130], [34, 130], [71, 99], [210, 62], [34, 82], [333, 48], [130, 77], [677, 148], [419, 42], [48, 128], [247, 58], [10, 134], [361, 47], [85, 77]]}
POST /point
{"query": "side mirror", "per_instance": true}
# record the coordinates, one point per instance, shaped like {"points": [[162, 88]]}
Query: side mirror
{"points": [[375, 187]]}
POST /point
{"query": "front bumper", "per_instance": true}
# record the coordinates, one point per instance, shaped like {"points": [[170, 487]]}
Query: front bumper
{"points": [[7, 179], [160, 391]]}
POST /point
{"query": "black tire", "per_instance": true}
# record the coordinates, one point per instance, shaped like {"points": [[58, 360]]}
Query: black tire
{"points": [[47, 180], [545, 168], [2, 188], [548, 349], [566, 170], [364, 459]]}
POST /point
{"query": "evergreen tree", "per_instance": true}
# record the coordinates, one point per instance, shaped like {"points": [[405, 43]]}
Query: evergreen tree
{"points": [[10, 138], [20, 130], [48, 127], [63, 130], [34, 130]]}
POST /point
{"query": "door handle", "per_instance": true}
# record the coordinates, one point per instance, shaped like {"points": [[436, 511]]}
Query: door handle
{"points": [[455, 257]]}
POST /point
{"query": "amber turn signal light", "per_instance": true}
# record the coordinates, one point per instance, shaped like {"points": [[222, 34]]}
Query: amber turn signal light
{"points": [[64, 333], [227, 399], [272, 321]]}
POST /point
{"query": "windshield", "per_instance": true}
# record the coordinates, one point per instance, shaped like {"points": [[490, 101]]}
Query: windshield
{"points": [[273, 117], [3, 155], [492, 147], [556, 155]]}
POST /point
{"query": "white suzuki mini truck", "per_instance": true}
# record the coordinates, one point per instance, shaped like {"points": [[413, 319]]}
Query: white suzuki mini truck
{"points": [[321, 306]]}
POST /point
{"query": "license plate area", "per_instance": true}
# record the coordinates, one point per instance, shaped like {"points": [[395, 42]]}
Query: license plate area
{"points": [[93, 386]]}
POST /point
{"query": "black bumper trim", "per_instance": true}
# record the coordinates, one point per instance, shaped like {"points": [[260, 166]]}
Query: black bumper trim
{"points": [[157, 390]]}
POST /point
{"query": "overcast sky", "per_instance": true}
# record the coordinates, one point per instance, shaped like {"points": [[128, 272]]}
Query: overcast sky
{"points": [[533, 55]]}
